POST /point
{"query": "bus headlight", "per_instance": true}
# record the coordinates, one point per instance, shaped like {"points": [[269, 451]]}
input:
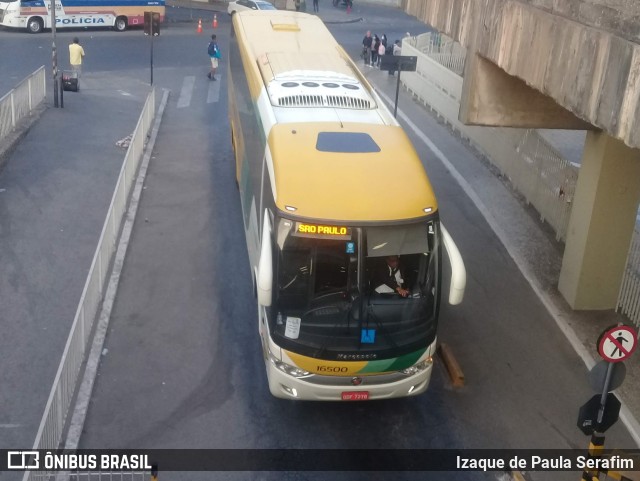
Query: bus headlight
{"points": [[421, 366], [288, 368]]}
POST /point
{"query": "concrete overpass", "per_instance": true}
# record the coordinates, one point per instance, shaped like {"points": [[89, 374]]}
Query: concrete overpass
{"points": [[563, 64]]}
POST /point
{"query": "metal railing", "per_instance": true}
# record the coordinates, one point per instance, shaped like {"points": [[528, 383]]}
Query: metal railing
{"points": [[533, 166], [20, 102], [55, 414], [451, 61], [629, 297], [442, 49], [546, 179]]}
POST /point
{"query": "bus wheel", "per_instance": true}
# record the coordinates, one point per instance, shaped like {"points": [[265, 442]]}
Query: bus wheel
{"points": [[34, 25], [121, 24]]}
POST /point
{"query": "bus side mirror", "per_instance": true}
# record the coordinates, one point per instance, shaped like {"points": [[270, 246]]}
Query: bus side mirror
{"points": [[265, 265], [458, 272]]}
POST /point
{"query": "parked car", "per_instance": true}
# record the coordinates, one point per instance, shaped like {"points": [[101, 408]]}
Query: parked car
{"points": [[297, 5], [241, 5]]}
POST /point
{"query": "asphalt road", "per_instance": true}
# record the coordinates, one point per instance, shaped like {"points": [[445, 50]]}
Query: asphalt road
{"points": [[182, 366]]}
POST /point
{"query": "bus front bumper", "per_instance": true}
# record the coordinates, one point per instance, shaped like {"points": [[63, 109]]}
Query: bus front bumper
{"points": [[337, 388]]}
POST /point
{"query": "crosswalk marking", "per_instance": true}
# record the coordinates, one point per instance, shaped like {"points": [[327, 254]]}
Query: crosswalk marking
{"points": [[189, 87], [186, 91], [213, 95]]}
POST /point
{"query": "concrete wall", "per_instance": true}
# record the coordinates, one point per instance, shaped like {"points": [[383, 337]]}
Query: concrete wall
{"points": [[592, 72], [620, 17], [543, 177]]}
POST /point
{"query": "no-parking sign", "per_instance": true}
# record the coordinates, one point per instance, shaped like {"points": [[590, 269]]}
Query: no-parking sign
{"points": [[617, 343]]}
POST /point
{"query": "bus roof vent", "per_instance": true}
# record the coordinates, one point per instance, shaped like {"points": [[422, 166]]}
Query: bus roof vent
{"points": [[332, 94], [322, 79], [301, 101], [335, 101], [341, 101]]}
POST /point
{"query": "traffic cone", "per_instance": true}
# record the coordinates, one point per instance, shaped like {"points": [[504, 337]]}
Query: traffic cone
{"points": [[215, 21], [199, 26]]}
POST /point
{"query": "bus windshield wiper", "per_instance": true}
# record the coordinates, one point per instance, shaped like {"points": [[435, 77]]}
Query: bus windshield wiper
{"points": [[328, 337], [381, 328]]}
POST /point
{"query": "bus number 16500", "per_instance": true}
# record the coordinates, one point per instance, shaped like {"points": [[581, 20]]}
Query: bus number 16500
{"points": [[331, 369]]}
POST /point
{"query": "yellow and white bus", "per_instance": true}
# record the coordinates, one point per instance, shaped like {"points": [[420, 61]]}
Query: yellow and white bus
{"points": [[330, 186]]}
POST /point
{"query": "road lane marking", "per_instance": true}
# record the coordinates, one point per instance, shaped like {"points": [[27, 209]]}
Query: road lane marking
{"points": [[213, 95], [186, 92]]}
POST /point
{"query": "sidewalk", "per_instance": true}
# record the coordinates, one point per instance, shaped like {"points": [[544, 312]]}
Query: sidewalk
{"points": [[530, 243], [55, 188]]}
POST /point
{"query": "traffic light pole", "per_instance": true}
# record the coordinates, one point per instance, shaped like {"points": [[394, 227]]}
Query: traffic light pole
{"points": [[596, 446], [54, 53], [395, 108], [151, 28], [605, 393]]}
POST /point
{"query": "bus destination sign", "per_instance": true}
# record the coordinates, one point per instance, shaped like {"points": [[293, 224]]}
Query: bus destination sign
{"points": [[320, 231]]}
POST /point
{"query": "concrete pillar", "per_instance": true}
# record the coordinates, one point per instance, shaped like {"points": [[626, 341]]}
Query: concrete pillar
{"points": [[602, 220]]}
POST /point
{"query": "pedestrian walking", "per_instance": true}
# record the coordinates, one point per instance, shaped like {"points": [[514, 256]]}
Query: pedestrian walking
{"points": [[76, 53], [367, 43], [381, 51], [374, 50], [214, 54], [315, 6], [396, 50]]}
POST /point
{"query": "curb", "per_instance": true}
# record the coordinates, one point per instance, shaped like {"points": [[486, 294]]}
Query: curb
{"points": [[340, 22]]}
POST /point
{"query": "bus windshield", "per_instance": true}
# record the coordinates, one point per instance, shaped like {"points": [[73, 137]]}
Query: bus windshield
{"points": [[346, 292]]}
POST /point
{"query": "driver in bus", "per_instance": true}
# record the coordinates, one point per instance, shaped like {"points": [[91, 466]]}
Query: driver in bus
{"points": [[388, 277]]}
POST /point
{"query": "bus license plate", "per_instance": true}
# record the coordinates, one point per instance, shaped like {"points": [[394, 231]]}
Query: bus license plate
{"points": [[355, 396]]}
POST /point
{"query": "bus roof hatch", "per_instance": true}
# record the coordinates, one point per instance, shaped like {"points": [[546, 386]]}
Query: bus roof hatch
{"points": [[285, 27]]}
